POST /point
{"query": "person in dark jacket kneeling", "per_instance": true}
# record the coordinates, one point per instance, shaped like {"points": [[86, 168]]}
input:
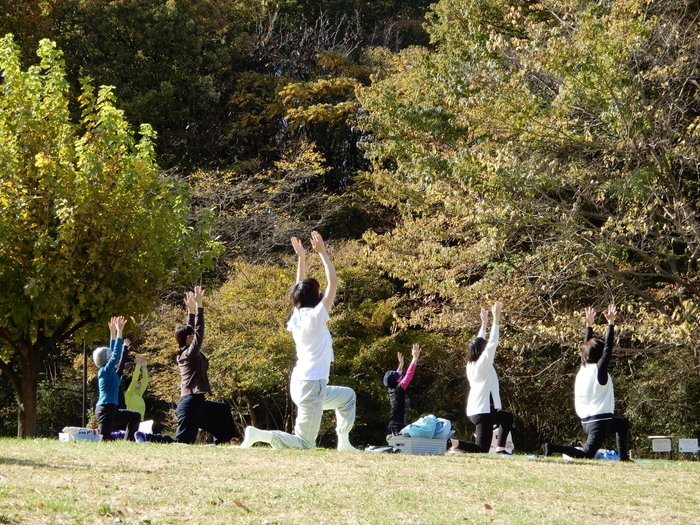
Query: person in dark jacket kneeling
{"points": [[194, 411]]}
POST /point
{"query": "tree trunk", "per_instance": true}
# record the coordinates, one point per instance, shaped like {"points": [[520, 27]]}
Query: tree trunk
{"points": [[251, 410], [26, 418]]}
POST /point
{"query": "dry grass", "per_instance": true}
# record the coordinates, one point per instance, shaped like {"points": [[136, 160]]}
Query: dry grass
{"points": [[46, 481]]}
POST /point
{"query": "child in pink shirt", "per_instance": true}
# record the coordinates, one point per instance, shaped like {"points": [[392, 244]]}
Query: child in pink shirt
{"points": [[397, 384]]}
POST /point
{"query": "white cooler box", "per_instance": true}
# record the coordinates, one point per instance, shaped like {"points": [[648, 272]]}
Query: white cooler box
{"points": [[409, 445], [79, 434]]}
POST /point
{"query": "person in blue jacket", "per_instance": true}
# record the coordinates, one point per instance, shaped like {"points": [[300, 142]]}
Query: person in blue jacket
{"points": [[107, 411]]}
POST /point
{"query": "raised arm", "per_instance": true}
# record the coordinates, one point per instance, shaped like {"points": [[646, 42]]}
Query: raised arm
{"points": [[119, 323], [191, 307], [331, 278], [604, 361], [484, 321], [400, 356], [112, 331], [415, 351], [112, 334], [198, 297], [496, 310], [126, 345], [486, 358], [589, 317], [144, 376], [492, 343], [116, 323], [301, 255], [195, 318], [134, 378]]}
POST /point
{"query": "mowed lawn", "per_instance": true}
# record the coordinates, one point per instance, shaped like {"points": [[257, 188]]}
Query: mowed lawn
{"points": [[46, 481]]}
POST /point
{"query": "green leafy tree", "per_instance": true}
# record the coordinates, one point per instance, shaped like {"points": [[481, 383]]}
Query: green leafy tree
{"points": [[249, 351], [173, 64], [293, 128], [29, 21], [89, 226], [202, 72], [258, 212], [546, 153]]}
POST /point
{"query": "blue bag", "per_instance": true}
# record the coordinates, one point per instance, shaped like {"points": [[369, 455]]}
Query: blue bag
{"points": [[610, 455], [423, 428], [443, 429]]}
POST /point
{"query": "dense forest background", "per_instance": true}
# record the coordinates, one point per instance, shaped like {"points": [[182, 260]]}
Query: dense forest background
{"points": [[540, 152]]}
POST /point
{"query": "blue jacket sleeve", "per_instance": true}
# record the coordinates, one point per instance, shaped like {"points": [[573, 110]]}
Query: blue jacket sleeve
{"points": [[116, 346]]}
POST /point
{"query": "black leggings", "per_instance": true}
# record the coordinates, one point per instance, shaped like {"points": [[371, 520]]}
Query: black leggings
{"points": [[109, 415], [598, 432], [484, 430], [395, 428], [195, 412]]}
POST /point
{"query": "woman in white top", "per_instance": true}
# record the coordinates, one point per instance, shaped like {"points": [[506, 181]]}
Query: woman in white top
{"points": [[309, 382], [484, 401], [594, 394]]}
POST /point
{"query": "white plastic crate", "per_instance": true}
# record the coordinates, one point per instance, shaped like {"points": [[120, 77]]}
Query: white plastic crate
{"points": [[79, 434], [409, 445]]}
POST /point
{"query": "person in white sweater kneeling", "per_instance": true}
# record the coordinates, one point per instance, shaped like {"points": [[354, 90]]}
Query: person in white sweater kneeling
{"points": [[484, 402], [595, 395], [309, 387]]}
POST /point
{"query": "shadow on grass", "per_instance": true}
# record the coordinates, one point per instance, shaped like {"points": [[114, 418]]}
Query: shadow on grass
{"points": [[69, 466], [595, 462]]}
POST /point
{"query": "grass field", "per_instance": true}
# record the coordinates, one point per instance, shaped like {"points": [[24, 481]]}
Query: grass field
{"points": [[46, 481]]}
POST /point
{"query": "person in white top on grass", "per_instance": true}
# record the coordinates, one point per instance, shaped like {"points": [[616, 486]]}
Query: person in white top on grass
{"points": [[594, 394], [309, 382], [484, 402]]}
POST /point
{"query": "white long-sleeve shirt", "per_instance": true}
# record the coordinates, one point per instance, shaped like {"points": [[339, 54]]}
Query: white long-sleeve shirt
{"points": [[483, 380]]}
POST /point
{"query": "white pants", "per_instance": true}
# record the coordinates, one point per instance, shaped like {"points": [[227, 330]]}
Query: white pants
{"points": [[311, 399]]}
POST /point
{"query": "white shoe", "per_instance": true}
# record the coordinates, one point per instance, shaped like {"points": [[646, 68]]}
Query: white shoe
{"points": [[344, 444], [254, 435]]}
